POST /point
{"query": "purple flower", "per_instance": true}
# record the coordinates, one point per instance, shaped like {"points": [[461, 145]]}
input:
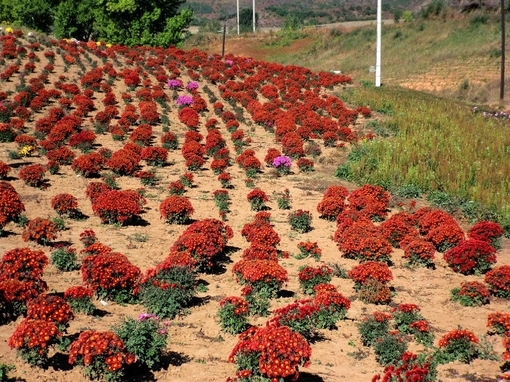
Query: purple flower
{"points": [[282, 161], [184, 100], [192, 85], [147, 316], [174, 84], [229, 62]]}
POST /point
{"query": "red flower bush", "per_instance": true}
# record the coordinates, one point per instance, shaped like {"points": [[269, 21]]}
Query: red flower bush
{"points": [[256, 273], [305, 165], [371, 200], [11, 206], [154, 156], [4, 170], [397, 227], [123, 162], [459, 344], [260, 231], [371, 270], [363, 241], [88, 165], [487, 231], [32, 175], [63, 155], [309, 277], [272, 153], [102, 354], [471, 293], [260, 353], [117, 207], [498, 280], [83, 140], [50, 308], [257, 199], [141, 135], [307, 248], [40, 230], [499, 323], [65, 204], [419, 252], [96, 189], [79, 299], [189, 117], [32, 340], [111, 276], [169, 141], [233, 313], [409, 367], [204, 240], [330, 207], [176, 209], [445, 236], [471, 256], [292, 145]]}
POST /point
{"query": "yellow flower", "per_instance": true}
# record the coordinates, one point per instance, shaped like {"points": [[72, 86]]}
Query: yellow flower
{"points": [[25, 150], [108, 45], [98, 43], [9, 30]]}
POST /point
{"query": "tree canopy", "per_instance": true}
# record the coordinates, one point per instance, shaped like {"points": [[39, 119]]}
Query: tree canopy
{"points": [[128, 22]]}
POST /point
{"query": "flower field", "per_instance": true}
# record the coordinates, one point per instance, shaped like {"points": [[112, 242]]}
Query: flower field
{"points": [[173, 216]]}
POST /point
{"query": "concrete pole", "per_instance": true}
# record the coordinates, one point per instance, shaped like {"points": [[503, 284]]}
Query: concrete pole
{"points": [[378, 46], [253, 16], [502, 82], [237, 17]]}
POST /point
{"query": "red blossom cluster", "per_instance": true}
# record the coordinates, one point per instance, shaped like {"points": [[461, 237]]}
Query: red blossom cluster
{"points": [[50, 308], [40, 230], [176, 209], [498, 280], [105, 350], [88, 165], [487, 231], [371, 270], [371, 200], [117, 207], [33, 175], [470, 256], [204, 240], [361, 240], [110, 275], [277, 349], [455, 335], [64, 204], [11, 205]]}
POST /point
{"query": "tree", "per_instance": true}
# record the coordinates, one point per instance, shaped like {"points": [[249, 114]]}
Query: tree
{"points": [[397, 14], [246, 19], [142, 22], [6, 11], [34, 14], [407, 16], [75, 18], [292, 22]]}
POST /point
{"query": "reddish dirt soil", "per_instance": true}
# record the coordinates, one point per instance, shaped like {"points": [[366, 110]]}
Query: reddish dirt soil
{"points": [[198, 350]]}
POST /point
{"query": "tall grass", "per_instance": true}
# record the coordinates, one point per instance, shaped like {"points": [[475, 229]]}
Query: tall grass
{"points": [[439, 145]]}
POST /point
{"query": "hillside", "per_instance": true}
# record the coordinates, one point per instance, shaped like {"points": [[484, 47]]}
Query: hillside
{"points": [[456, 57], [272, 12]]}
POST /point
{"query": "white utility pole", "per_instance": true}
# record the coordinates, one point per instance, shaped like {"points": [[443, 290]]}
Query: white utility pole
{"points": [[253, 16], [378, 46], [238, 17]]}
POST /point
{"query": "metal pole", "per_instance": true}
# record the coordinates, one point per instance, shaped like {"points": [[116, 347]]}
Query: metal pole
{"points": [[378, 45], [223, 46], [502, 83], [254, 16], [238, 17]]}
